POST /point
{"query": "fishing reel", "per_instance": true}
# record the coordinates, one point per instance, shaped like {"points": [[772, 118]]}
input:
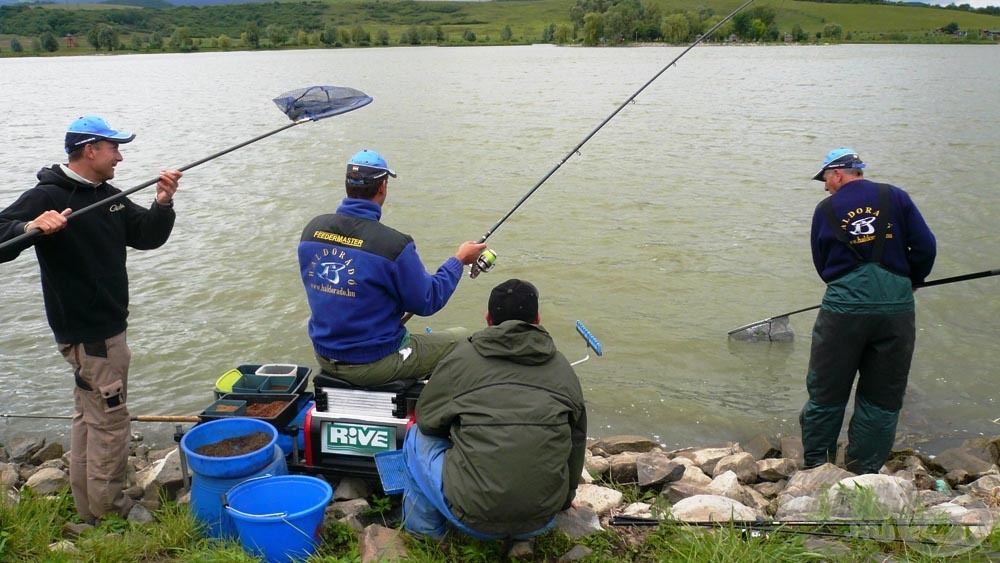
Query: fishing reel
{"points": [[486, 261]]}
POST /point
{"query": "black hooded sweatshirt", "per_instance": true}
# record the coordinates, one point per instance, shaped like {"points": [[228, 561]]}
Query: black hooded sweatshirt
{"points": [[84, 280]]}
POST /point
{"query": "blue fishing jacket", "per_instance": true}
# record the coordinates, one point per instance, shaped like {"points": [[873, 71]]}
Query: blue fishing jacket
{"points": [[910, 246], [360, 278]]}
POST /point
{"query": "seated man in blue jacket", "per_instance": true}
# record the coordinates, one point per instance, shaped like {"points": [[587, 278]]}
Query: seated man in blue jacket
{"points": [[502, 430], [361, 277]]}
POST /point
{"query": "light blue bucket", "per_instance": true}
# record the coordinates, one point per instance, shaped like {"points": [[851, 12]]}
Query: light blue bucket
{"points": [[279, 518], [207, 493]]}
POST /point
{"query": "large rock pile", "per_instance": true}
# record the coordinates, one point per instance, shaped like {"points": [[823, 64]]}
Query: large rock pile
{"points": [[758, 481]]}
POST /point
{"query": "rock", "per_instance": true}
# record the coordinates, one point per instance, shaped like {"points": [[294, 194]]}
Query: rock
{"points": [[656, 468], [957, 477], [833, 549], [521, 550], [694, 474], [599, 499], [50, 451], [162, 477], [809, 481], [680, 490], [760, 447], [578, 522], [704, 508], [351, 488], [706, 458], [770, 489], [727, 485], [798, 508], [964, 458], [618, 444], [140, 514], [343, 509], [985, 487], [64, 547], [622, 467], [741, 464], [378, 543], [9, 476], [73, 530], [48, 481], [775, 469], [791, 448], [871, 496], [638, 510], [596, 465], [578, 552], [21, 448], [585, 477]]}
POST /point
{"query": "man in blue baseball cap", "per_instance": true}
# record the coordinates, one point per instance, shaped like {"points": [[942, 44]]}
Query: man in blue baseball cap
{"points": [[361, 277], [870, 244], [85, 287]]}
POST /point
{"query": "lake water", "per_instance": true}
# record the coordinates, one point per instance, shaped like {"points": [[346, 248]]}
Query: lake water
{"points": [[686, 216]]}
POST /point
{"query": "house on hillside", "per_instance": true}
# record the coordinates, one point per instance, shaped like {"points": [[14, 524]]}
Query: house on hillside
{"points": [[70, 42]]}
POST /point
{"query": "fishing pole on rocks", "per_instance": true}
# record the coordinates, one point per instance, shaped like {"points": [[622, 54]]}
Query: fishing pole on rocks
{"points": [[301, 106], [135, 418], [488, 258]]}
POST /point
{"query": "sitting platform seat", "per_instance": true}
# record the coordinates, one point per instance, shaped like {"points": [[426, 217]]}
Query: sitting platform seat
{"points": [[394, 399]]}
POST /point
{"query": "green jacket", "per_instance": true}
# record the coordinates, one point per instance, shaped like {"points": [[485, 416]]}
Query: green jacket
{"points": [[513, 408]]}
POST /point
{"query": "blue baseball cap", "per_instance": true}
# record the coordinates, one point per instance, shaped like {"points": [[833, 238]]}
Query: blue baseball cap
{"points": [[91, 129], [839, 158], [370, 165]]}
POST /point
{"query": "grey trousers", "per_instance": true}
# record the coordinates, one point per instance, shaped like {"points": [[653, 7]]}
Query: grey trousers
{"points": [[101, 426]]}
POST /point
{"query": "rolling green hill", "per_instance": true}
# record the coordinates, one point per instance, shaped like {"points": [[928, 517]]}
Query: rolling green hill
{"points": [[314, 23]]}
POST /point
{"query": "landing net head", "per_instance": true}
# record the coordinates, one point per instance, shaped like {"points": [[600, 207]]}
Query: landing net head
{"points": [[318, 102], [770, 330]]}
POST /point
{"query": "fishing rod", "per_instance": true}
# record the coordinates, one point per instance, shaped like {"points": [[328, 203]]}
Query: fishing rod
{"points": [[136, 418], [301, 106], [758, 528], [763, 327], [486, 261]]}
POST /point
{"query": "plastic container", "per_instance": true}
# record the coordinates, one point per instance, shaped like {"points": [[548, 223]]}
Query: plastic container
{"points": [[391, 471], [225, 382], [277, 369], [278, 384], [279, 518], [222, 429], [249, 383], [279, 420], [207, 493], [227, 407]]}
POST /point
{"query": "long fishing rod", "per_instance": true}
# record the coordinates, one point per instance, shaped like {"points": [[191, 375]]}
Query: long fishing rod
{"points": [[301, 106], [136, 418], [576, 149], [763, 327]]}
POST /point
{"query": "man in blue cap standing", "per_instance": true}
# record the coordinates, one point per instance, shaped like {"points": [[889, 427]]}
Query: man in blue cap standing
{"points": [[870, 245], [85, 287], [361, 277]]}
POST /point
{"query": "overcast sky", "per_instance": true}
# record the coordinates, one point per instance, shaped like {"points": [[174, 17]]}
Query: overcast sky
{"points": [[973, 3]]}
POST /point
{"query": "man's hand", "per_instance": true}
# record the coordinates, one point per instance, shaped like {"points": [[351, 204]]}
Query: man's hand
{"points": [[49, 222], [167, 186], [469, 251]]}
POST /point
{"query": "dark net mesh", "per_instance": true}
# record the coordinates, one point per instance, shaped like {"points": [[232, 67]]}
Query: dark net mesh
{"points": [[317, 102]]}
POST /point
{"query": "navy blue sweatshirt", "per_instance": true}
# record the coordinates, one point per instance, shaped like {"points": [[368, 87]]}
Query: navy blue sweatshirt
{"points": [[84, 280], [910, 248]]}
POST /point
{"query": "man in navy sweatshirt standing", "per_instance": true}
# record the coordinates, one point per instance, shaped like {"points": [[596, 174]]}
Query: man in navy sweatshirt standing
{"points": [[361, 277], [870, 245]]}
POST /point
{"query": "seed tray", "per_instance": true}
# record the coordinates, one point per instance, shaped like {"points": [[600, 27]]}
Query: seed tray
{"points": [[279, 421]]}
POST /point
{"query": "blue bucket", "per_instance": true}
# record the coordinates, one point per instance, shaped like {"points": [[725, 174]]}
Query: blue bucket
{"points": [[207, 493], [279, 518], [222, 429]]}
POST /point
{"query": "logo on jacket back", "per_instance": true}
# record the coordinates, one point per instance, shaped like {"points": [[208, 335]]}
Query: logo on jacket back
{"points": [[116, 207], [331, 269], [860, 224]]}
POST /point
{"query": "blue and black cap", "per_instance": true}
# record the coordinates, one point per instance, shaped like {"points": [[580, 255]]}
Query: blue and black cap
{"points": [[91, 129], [839, 158], [367, 166]]}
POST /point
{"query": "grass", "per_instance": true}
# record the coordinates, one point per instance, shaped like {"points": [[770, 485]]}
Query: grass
{"points": [[28, 529]]}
